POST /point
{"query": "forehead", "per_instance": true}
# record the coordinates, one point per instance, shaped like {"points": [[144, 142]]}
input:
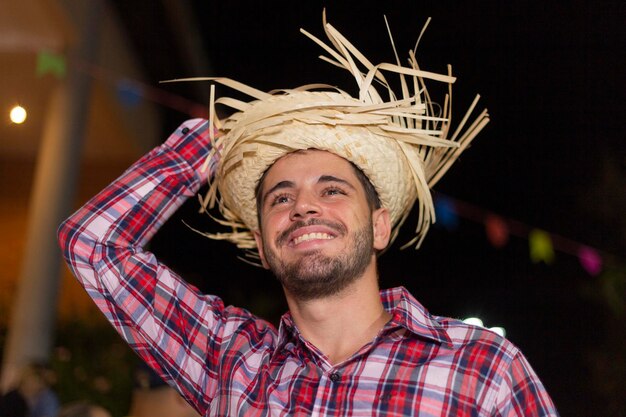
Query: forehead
{"points": [[309, 162]]}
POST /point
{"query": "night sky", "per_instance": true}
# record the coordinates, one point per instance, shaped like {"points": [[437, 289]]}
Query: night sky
{"points": [[552, 158]]}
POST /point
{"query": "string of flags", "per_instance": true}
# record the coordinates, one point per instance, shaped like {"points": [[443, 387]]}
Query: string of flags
{"points": [[129, 93], [541, 244]]}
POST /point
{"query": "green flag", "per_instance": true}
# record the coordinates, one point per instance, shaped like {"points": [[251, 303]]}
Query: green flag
{"points": [[50, 62]]}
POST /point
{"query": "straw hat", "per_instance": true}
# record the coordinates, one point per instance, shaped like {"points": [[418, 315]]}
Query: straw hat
{"points": [[402, 143]]}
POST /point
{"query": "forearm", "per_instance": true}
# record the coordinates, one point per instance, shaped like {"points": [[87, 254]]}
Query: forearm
{"points": [[114, 218], [103, 245]]}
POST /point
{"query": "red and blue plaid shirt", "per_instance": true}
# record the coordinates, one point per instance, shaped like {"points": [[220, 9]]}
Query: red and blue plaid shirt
{"points": [[227, 362]]}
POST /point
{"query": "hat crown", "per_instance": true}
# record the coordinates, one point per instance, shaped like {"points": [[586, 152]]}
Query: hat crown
{"points": [[402, 143]]}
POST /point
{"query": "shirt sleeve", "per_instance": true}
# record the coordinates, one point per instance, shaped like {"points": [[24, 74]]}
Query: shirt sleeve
{"points": [[175, 329], [522, 393]]}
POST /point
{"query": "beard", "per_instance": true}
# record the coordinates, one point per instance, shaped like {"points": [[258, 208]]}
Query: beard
{"points": [[316, 275]]}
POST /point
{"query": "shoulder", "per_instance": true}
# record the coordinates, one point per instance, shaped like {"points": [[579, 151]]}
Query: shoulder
{"points": [[452, 334], [471, 337]]}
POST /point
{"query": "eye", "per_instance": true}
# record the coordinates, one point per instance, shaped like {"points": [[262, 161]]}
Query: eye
{"points": [[333, 191], [279, 199]]}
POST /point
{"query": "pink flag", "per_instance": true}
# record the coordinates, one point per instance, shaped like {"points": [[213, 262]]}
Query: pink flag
{"points": [[590, 260]]}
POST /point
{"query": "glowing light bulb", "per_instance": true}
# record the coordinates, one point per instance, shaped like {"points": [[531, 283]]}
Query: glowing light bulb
{"points": [[498, 330], [18, 114], [475, 321]]}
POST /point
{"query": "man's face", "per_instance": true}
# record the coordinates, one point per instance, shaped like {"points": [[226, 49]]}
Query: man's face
{"points": [[318, 233]]}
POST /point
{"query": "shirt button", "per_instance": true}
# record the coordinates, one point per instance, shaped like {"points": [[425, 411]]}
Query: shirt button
{"points": [[185, 130], [335, 377]]}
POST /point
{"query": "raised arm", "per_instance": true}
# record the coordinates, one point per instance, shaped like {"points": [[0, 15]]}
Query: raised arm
{"points": [[176, 330]]}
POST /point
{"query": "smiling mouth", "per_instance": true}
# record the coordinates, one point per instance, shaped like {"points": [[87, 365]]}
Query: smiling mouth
{"points": [[312, 236]]}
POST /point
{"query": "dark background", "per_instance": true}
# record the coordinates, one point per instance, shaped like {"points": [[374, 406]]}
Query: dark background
{"points": [[552, 158]]}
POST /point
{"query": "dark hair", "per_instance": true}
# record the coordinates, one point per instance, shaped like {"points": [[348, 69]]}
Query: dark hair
{"points": [[14, 404], [373, 200]]}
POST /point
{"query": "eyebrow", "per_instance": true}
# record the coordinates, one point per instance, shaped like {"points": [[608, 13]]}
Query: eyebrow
{"points": [[289, 184], [330, 178], [278, 186]]}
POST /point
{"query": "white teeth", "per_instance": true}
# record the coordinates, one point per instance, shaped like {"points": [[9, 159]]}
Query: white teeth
{"points": [[311, 236]]}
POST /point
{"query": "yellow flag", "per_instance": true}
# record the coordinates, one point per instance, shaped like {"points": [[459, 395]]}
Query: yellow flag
{"points": [[540, 245]]}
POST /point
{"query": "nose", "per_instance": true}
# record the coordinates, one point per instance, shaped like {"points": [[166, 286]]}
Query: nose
{"points": [[306, 205]]}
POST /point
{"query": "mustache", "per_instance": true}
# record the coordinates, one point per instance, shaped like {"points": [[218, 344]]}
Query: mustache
{"points": [[284, 236]]}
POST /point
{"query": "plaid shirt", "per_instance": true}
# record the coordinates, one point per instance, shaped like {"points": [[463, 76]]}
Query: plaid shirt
{"points": [[227, 362]]}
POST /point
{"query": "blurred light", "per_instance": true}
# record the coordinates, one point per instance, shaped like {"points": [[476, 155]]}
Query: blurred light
{"points": [[475, 321], [498, 330], [18, 114]]}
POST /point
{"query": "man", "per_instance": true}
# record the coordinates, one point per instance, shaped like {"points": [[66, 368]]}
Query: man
{"points": [[319, 182], [33, 396]]}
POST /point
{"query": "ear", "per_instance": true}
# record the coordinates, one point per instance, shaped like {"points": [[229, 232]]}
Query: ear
{"points": [[259, 245], [382, 228]]}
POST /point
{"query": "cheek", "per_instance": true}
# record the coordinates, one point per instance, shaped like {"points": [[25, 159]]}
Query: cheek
{"points": [[273, 223], [350, 216]]}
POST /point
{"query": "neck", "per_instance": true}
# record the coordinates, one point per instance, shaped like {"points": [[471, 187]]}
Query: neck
{"points": [[342, 324]]}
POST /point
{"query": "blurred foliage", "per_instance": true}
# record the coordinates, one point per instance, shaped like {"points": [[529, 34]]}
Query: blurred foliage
{"points": [[607, 358], [93, 363], [603, 208]]}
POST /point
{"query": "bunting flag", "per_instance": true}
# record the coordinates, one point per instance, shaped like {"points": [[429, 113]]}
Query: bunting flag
{"points": [[497, 231], [613, 289], [50, 63], [129, 93], [540, 245], [590, 260], [446, 213]]}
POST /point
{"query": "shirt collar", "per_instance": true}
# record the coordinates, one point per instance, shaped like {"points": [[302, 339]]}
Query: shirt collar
{"points": [[405, 310], [408, 313]]}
